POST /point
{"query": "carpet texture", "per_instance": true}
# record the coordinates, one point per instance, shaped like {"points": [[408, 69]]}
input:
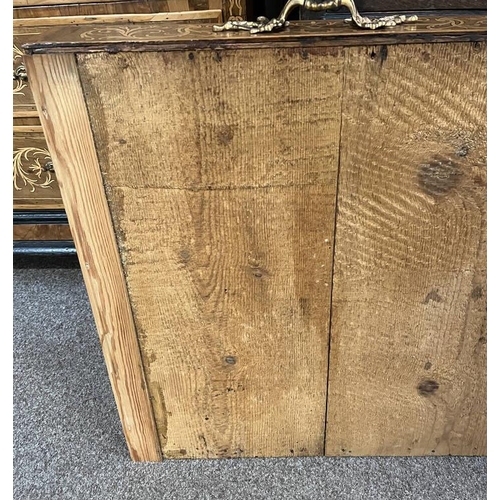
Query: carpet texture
{"points": [[68, 442]]}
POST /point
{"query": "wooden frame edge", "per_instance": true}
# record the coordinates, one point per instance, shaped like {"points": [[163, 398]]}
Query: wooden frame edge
{"points": [[214, 15], [60, 101], [27, 3]]}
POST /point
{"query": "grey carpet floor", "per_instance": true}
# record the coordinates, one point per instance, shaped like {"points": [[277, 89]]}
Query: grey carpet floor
{"points": [[68, 442]]}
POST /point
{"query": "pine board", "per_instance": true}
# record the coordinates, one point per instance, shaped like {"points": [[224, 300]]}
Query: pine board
{"points": [[408, 350], [221, 181]]}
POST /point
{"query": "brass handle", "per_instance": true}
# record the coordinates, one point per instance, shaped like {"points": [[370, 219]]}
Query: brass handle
{"points": [[48, 167], [20, 73], [265, 25]]}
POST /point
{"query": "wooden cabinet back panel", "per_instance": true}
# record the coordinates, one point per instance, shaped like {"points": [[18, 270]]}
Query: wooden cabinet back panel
{"points": [[221, 182], [229, 172], [408, 357]]}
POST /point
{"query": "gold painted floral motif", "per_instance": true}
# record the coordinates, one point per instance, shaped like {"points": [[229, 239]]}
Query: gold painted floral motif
{"points": [[33, 168], [20, 77], [121, 32], [235, 10], [137, 33]]}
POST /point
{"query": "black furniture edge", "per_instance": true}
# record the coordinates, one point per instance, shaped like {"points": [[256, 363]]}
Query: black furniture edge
{"points": [[44, 248], [39, 248], [40, 217]]}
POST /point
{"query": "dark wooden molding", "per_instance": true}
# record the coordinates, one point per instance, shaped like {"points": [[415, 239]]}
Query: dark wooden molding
{"points": [[413, 5], [40, 217], [45, 248], [174, 36], [36, 248]]}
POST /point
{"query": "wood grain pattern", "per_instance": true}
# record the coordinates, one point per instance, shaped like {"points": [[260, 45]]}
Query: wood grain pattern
{"points": [[113, 7], [225, 228], [176, 36], [32, 122], [408, 360], [65, 122], [30, 30], [199, 15], [31, 3], [25, 111], [41, 232], [20, 128], [123, 7]]}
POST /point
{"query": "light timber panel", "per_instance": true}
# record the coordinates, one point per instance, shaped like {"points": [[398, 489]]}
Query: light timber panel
{"points": [[61, 105], [220, 170], [408, 360]]}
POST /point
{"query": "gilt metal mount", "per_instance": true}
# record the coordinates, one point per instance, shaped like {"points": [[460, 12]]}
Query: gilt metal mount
{"points": [[265, 25]]}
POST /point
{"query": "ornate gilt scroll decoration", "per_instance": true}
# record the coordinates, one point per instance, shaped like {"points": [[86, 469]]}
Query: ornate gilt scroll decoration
{"points": [[118, 33], [265, 25], [20, 75], [32, 167], [107, 32], [235, 10]]}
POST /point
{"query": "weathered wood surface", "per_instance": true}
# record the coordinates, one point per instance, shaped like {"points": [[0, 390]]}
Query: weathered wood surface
{"points": [[304, 34], [221, 181], [408, 351], [64, 117]]}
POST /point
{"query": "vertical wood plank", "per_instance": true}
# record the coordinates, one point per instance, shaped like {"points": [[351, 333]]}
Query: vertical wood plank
{"points": [[221, 180], [408, 347], [61, 105]]}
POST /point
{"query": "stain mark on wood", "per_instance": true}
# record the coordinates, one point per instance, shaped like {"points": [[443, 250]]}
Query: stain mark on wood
{"points": [[185, 256], [427, 387], [434, 296], [225, 134], [305, 306], [439, 176], [384, 54]]}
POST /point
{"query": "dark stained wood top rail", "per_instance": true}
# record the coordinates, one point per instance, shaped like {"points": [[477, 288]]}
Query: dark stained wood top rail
{"points": [[175, 36], [409, 5], [363, 5]]}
